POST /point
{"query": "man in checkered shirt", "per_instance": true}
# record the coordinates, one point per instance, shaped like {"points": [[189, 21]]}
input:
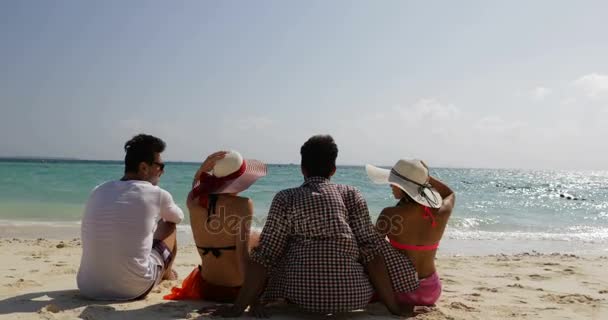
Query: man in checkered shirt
{"points": [[319, 249]]}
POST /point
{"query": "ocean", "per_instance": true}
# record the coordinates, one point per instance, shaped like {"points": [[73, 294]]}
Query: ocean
{"points": [[497, 210]]}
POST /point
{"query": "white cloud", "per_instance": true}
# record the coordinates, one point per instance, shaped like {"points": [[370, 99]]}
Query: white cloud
{"points": [[497, 125], [427, 129], [569, 101], [428, 110], [594, 85], [440, 132], [540, 93], [444, 134], [430, 116]]}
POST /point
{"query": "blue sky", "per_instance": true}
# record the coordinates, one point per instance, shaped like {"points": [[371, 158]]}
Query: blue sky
{"points": [[464, 84]]}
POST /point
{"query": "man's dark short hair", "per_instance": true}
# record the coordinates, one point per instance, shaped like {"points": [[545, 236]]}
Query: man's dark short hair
{"points": [[319, 155], [142, 148]]}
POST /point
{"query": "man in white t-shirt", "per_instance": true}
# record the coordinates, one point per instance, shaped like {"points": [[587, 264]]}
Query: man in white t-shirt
{"points": [[129, 228]]}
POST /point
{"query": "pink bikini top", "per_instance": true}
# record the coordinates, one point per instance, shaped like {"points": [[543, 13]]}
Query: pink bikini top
{"points": [[428, 214]]}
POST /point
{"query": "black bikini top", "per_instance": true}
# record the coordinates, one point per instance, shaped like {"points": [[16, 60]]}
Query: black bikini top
{"points": [[212, 205], [216, 251]]}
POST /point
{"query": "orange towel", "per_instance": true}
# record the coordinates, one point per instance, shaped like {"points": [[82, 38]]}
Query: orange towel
{"points": [[191, 288], [194, 287]]}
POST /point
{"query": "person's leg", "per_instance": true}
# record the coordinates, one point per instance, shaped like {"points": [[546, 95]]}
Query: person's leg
{"points": [[167, 233], [143, 295]]}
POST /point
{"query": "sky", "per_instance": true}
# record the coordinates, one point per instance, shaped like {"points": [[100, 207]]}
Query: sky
{"points": [[511, 84]]}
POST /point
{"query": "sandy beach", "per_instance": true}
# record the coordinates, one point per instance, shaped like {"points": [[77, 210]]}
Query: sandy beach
{"points": [[37, 281]]}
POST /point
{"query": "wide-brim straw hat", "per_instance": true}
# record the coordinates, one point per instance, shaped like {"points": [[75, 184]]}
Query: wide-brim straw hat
{"points": [[411, 176]]}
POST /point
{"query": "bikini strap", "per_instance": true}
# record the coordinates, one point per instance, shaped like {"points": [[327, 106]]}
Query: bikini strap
{"points": [[215, 251], [410, 247], [428, 214], [212, 204]]}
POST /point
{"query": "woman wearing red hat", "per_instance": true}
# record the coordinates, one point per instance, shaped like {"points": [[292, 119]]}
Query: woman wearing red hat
{"points": [[220, 221]]}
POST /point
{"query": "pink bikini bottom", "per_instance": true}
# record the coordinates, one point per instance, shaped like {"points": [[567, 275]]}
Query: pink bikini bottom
{"points": [[426, 295]]}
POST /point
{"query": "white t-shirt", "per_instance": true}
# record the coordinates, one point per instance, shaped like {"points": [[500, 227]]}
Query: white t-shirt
{"points": [[117, 232]]}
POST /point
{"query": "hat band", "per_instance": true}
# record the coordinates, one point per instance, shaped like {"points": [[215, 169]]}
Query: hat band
{"points": [[421, 187], [209, 183]]}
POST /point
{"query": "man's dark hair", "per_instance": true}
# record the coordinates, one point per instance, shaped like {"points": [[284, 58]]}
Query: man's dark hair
{"points": [[141, 149], [319, 155]]}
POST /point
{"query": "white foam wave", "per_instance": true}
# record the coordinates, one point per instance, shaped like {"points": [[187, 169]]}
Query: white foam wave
{"points": [[26, 223], [588, 236]]}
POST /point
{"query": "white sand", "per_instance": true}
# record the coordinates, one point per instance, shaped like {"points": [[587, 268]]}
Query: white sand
{"points": [[37, 281]]}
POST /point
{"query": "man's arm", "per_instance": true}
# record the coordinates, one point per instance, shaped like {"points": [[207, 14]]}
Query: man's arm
{"points": [[371, 256], [273, 241], [378, 276], [169, 211], [242, 243], [255, 279], [384, 223]]}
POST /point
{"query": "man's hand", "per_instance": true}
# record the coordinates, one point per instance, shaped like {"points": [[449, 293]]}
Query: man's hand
{"points": [[257, 310], [225, 311], [401, 310]]}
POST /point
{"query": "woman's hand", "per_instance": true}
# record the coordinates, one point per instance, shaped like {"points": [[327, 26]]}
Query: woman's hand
{"points": [[209, 163]]}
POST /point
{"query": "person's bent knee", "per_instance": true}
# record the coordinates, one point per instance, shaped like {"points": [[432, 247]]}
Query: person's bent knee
{"points": [[167, 224], [164, 230]]}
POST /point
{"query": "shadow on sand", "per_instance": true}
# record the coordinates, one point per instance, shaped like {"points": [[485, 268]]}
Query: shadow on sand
{"points": [[64, 300]]}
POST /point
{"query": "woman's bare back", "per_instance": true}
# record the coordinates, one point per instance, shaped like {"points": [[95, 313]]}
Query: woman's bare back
{"points": [[219, 238], [409, 226]]}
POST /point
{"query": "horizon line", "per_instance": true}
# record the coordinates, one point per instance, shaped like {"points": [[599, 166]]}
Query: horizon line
{"points": [[72, 159]]}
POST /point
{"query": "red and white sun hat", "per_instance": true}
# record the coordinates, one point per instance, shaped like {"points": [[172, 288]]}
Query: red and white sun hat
{"points": [[239, 173]]}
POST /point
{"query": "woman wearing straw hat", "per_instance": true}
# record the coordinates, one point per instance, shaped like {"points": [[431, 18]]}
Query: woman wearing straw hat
{"points": [[220, 221], [416, 224]]}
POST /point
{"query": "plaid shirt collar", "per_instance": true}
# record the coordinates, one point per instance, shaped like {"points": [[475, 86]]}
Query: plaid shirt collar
{"points": [[317, 180]]}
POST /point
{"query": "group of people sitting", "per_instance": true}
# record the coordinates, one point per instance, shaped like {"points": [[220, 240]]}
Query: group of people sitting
{"points": [[318, 249]]}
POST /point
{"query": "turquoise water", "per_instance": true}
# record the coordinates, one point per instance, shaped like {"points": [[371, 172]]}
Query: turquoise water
{"points": [[519, 205]]}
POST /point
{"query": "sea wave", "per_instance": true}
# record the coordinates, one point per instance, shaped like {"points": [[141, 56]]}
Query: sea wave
{"points": [[588, 235]]}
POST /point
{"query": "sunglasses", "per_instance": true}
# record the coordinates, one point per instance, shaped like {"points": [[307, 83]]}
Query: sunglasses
{"points": [[160, 165]]}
